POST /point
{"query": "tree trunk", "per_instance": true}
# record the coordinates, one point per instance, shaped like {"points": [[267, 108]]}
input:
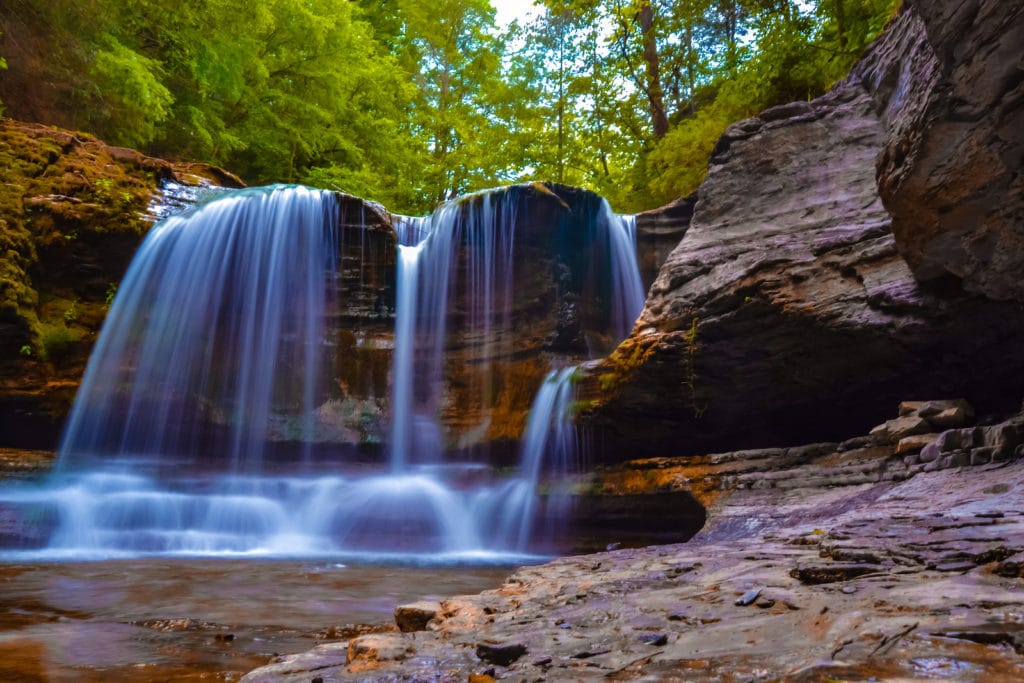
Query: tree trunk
{"points": [[655, 96], [731, 17], [841, 23]]}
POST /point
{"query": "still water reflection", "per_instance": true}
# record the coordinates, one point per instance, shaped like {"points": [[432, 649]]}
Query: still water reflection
{"points": [[185, 620]]}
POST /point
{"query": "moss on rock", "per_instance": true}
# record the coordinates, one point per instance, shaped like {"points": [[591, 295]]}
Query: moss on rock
{"points": [[73, 210]]}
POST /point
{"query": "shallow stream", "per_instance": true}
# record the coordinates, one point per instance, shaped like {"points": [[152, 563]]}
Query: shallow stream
{"points": [[193, 619]]}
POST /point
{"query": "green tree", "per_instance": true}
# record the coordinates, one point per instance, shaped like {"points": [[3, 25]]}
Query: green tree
{"points": [[136, 101], [413, 101], [796, 52]]}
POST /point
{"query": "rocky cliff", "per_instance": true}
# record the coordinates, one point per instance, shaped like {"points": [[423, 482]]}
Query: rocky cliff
{"points": [[950, 168], [787, 312]]}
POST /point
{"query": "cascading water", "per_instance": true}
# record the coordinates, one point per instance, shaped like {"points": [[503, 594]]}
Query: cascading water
{"points": [[216, 344], [220, 319], [549, 437]]}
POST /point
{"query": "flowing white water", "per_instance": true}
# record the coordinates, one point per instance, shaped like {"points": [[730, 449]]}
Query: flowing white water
{"points": [[219, 320], [219, 329], [627, 288], [549, 438]]}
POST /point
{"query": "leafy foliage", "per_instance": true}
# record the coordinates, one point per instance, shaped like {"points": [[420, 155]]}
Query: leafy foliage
{"points": [[410, 102]]}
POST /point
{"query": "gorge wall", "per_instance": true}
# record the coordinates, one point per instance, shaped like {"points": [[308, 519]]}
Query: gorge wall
{"points": [[950, 168], [788, 312]]}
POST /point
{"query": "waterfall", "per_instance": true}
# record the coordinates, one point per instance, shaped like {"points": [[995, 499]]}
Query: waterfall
{"points": [[551, 437], [627, 288], [218, 344], [484, 227], [219, 320]]}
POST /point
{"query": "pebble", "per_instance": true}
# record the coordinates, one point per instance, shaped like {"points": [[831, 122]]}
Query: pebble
{"points": [[748, 597], [656, 639]]}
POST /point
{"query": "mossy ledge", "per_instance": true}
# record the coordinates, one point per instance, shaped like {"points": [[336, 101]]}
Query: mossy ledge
{"points": [[72, 213]]}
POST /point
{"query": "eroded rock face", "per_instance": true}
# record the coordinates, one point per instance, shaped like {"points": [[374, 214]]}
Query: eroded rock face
{"points": [[787, 314], [657, 234], [950, 170], [550, 306], [360, 330]]}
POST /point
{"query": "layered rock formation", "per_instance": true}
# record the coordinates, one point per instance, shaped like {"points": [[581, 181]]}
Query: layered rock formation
{"points": [[787, 312], [827, 561], [950, 169], [550, 306]]}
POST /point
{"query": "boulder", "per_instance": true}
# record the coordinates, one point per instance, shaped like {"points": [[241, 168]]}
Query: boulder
{"points": [[894, 430], [914, 443], [787, 314], [931, 409]]}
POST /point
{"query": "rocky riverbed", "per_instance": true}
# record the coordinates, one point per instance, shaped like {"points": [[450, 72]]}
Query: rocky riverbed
{"points": [[888, 557]]}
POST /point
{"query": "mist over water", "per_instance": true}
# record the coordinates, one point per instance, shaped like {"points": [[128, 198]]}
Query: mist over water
{"points": [[218, 344]]}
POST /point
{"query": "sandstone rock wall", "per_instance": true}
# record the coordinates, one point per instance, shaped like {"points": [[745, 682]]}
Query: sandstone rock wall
{"points": [[559, 298], [786, 313], [657, 234]]}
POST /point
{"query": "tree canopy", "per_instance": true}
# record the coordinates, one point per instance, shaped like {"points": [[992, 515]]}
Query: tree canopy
{"points": [[410, 102]]}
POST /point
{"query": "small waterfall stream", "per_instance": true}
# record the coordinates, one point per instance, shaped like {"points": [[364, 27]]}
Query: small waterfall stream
{"points": [[217, 338]]}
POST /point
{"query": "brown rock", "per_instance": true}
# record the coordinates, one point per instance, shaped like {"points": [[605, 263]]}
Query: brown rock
{"points": [[929, 409], [949, 418], [909, 444], [416, 616], [906, 426]]}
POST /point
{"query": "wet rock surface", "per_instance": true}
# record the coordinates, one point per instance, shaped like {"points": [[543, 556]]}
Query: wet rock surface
{"points": [[788, 313], [829, 561], [551, 306]]}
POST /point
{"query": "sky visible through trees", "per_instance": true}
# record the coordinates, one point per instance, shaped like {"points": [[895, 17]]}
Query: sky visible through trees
{"points": [[411, 102]]}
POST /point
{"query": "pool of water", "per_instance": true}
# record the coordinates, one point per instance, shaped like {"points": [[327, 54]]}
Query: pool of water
{"points": [[193, 619]]}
